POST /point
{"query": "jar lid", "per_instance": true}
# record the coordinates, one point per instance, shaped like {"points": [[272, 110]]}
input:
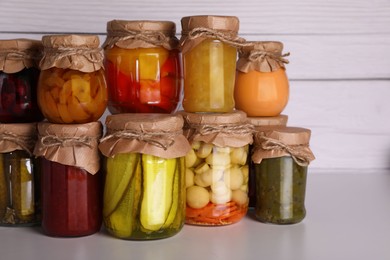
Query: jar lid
{"points": [[17, 54], [280, 120], [216, 22], [141, 34], [263, 56], [220, 129], [77, 52], [18, 137], [156, 134], [272, 142], [70, 144]]}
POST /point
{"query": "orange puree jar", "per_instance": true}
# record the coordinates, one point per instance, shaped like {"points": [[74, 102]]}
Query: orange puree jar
{"points": [[72, 87], [262, 86]]}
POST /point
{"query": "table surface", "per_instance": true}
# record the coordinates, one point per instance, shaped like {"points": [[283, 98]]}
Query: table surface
{"points": [[348, 217]]}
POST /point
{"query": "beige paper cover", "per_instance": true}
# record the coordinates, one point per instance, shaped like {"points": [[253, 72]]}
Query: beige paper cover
{"points": [[261, 121], [18, 137], [156, 134], [261, 56], [70, 144], [17, 54], [220, 129], [141, 34], [76, 52], [273, 142], [196, 29]]}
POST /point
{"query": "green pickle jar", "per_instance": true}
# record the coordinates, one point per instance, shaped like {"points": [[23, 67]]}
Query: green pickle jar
{"points": [[144, 192], [217, 168], [19, 181], [281, 157]]}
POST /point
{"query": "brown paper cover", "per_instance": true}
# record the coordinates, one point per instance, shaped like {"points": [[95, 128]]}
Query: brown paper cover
{"points": [[18, 137], [264, 121], [155, 134], [196, 29], [17, 54], [273, 142], [76, 52], [70, 144], [141, 34], [261, 56], [220, 129]]}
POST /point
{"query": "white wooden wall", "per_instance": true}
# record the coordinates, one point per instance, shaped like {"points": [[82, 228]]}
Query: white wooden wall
{"points": [[339, 64]]}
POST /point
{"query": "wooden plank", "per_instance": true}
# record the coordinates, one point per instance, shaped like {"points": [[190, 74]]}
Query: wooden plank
{"points": [[322, 57], [256, 16]]}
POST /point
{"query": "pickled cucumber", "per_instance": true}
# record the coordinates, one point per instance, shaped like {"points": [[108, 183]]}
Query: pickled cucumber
{"points": [[3, 188]]}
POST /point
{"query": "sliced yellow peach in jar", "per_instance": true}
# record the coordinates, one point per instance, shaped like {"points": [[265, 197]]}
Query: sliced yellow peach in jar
{"points": [[66, 117], [76, 110]]}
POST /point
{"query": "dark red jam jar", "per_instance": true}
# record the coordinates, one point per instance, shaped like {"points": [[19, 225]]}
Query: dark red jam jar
{"points": [[71, 185], [19, 75]]}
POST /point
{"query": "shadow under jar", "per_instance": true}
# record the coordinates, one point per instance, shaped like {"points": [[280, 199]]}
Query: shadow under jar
{"points": [[19, 75]]}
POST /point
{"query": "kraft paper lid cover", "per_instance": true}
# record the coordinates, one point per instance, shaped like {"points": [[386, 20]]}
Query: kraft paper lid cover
{"points": [[141, 34], [70, 144], [18, 54], [76, 52], [21, 136], [155, 134]]}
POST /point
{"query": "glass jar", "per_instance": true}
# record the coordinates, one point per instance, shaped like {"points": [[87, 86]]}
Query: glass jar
{"points": [[217, 169], [71, 191], [209, 46], [262, 86], [260, 123], [281, 158], [72, 87], [143, 67], [19, 181], [144, 193], [18, 81]]}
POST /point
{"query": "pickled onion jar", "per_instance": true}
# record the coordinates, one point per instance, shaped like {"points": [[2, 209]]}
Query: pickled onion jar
{"points": [[143, 67], [217, 167], [72, 86], [71, 183], [19, 72], [209, 47], [262, 86]]}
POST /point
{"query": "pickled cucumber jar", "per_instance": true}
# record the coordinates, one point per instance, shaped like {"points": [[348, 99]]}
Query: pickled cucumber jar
{"points": [[19, 178], [71, 184], [217, 168], [19, 72], [281, 157], [260, 123], [143, 67], [262, 86], [144, 192], [209, 47], [72, 86]]}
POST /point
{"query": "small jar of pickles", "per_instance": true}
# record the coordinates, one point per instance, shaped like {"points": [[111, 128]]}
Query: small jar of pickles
{"points": [[71, 184], [262, 86], [217, 169], [259, 123], [209, 47], [19, 72], [19, 178], [143, 67], [144, 192], [72, 86], [281, 157]]}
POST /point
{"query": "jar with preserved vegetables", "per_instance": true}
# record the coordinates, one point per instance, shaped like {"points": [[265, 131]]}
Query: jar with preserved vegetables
{"points": [[19, 72], [209, 47], [144, 193], [281, 157], [19, 178], [71, 188], [217, 168], [262, 86], [260, 123], [72, 86], [143, 67]]}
